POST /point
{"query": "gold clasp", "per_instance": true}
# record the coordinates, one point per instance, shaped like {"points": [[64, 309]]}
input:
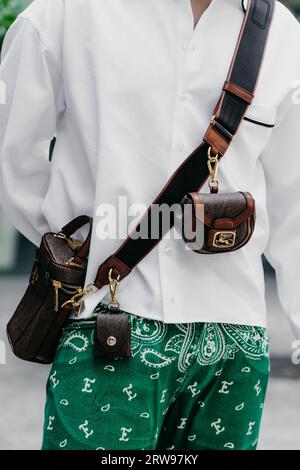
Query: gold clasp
{"points": [[224, 239], [57, 285], [60, 235], [213, 165], [78, 299], [113, 287], [74, 244], [71, 262]]}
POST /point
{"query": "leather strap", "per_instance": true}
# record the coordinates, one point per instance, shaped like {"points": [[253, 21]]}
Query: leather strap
{"points": [[237, 94], [239, 87], [76, 224], [238, 91]]}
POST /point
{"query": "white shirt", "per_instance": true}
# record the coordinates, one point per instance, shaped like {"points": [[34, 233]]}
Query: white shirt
{"points": [[129, 88]]}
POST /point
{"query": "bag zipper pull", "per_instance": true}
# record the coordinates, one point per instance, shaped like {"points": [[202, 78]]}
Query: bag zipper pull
{"points": [[57, 285]]}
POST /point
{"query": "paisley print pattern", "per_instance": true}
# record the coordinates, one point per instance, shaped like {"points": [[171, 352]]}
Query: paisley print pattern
{"points": [[217, 342], [186, 386], [212, 345], [253, 341]]}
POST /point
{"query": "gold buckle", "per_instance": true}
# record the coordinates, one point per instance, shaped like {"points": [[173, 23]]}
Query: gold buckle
{"points": [[60, 235], [224, 239], [70, 262], [74, 244]]}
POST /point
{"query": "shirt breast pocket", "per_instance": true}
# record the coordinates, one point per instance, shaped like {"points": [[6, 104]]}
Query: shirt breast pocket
{"points": [[257, 126]]}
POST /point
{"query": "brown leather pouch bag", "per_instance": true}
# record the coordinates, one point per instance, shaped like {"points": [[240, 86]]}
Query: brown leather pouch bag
{"points": [[57, 275], [112, 335], [218, 223]]}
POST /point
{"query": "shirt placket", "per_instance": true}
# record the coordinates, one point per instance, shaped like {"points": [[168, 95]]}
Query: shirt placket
{"points": [[180, 147]]}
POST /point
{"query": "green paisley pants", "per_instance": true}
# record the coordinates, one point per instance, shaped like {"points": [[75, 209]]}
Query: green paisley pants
{"points": [[187, 386]]}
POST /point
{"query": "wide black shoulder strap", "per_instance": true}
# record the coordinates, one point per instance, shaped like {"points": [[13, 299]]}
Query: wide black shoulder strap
{"points": [[239, 87], [237, 94]]}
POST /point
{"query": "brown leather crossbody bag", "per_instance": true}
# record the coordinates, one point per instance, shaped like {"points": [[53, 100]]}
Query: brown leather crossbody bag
{"points": [[57, 282], [226, 221]]}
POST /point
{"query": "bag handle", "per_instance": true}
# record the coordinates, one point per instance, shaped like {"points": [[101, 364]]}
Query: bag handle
{"points": [[81, 253], [75, 225]]}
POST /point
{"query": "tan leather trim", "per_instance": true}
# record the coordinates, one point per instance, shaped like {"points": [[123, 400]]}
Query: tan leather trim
{"points": [[238, 91], [248, 212], [199, 213], [223, 224], [218, 143]]}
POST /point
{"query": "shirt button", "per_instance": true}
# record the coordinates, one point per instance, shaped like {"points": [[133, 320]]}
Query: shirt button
{"points": [[180, 146], [184, 97], [168, 250], [184, 45]]}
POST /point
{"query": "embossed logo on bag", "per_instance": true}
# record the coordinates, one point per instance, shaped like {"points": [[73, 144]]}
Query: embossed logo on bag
{"points": [[224, 239]]}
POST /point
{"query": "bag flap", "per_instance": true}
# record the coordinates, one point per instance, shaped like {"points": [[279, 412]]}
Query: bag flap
{"points": [[222, 210], [112, 334]]}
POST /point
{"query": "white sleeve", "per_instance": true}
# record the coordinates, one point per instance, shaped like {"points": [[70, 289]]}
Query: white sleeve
{"points": [[31, 99], [281, 161]]}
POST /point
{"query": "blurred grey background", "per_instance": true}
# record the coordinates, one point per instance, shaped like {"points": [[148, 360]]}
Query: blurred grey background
{"points": [[22, 385]]}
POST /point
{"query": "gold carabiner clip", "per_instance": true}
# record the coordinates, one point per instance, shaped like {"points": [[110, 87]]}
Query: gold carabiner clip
{"points": [[78, 299], [213, 165], [113, 304]]}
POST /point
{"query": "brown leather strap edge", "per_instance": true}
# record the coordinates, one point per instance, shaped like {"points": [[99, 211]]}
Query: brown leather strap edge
{"points": [[119, 269], [238, 91], [218, 143], [196, 198], [215, 223], [76, 224]]}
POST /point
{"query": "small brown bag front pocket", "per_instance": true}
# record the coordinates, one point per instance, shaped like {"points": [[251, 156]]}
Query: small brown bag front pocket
{"points": [[225, 220]]}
